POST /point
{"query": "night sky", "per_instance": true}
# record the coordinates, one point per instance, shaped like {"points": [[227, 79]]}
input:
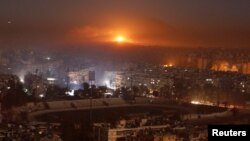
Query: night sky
{"points": [[211, 23]]}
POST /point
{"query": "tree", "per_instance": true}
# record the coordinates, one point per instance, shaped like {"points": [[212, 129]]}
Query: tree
{"points": [[32, 81], [14, 96], [86, 86], [155, 93], [135, 90], [28, 81], [166, 91], [54, 91], [86, 89]]}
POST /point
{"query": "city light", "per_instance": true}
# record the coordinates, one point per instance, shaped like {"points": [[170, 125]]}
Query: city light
{"points": [[51, 79], [22, 80], [70, 93], [202, 102], [108, 84], [75, 82], [196, 102], [41, 95], [48, 58], [168, 65]]}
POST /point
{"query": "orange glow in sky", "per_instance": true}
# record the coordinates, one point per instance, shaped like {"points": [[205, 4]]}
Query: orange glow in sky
{"points": [[120, 39]]}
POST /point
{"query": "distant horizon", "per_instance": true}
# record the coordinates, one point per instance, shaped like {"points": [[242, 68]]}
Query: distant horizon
{"points": [[163, 23]]}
